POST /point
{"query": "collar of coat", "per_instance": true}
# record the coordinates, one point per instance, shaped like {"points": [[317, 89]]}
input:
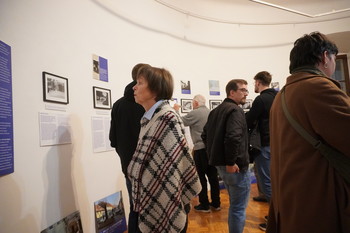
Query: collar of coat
{"points": [[309, 72]]}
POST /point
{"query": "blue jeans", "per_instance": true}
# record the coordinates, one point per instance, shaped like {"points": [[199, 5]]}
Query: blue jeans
{"points": [[262, 163], [133, 216], [238, 188]]}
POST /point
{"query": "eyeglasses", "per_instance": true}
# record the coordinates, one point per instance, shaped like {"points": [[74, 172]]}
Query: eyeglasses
{"points": [[244, 90]]}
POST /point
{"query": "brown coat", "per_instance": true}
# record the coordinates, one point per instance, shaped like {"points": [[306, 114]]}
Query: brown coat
{"points": [[308, 195]]}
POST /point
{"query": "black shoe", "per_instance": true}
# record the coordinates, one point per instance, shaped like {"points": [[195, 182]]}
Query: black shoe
{"points": [[262, 226], [265, 219], [201, 208], [260, 199], [215, 208]]}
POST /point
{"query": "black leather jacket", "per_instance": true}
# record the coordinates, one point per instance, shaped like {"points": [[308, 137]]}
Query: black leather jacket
{"points": [[226, 136]]}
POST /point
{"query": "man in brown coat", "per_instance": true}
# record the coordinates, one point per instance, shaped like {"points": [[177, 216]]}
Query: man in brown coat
{"points": [[308, 194]]}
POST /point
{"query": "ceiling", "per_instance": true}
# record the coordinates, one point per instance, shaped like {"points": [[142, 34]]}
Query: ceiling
{"points": [[268, 12], [310, 8], [262, 11]]}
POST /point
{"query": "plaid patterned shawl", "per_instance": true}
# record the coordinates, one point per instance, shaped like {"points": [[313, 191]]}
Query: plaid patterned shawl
{"points": [[163, 174]]}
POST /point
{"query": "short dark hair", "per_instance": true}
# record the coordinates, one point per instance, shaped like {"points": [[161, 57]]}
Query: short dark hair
{"points": [[135, 70], [264, 77], [159, 80], [232, 85], [308, 50]]}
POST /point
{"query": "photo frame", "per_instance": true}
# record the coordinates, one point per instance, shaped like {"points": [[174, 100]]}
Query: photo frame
{"points": [[186, 105], [214, 103], [102, 98], [55, 88], [248, 104]]}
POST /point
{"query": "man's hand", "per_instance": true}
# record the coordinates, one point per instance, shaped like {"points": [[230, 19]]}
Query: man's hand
{"points": [[176, 107], [232, 169]]}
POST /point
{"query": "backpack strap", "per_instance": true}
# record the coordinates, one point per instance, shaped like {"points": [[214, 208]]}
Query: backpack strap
{"points": [[339, 161]]}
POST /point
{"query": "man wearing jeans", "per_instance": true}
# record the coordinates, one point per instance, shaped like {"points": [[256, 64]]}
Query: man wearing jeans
{"points": [[226, 138], [260, 114]]}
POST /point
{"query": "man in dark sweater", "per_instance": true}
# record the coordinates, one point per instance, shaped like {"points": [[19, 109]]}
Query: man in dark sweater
{"points": [[260, 114], [124, 132]]}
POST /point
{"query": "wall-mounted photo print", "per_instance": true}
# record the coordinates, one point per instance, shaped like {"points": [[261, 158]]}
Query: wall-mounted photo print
{"points": [[185, 87], [110, 215], [214, 88], [100, 68], [275, 85], [186, 105], [248, 104], [214, 103], [55, 88], [102, 98], [69, 224]]}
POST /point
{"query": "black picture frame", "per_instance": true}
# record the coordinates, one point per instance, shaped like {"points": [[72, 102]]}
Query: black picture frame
{"points": [[186, 105], [102, 98], [55, 88], [214, 103], [248, 104]]}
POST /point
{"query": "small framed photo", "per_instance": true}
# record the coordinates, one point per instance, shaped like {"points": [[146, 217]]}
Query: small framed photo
{"points": [[186, 105], [248, 104], [102, 98], [55, 88], [214, 103]]}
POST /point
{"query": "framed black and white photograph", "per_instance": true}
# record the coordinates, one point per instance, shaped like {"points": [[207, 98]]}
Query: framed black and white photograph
{"points": [[55, 88], [186, 105], [214, 103], [248, 104], [102, 98]]}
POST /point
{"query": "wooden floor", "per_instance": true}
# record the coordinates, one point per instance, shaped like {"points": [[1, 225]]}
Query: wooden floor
{"points": [[217, 221]]}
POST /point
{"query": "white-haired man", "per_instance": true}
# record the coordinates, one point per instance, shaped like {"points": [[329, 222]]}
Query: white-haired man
{"points": [[196, 119]]}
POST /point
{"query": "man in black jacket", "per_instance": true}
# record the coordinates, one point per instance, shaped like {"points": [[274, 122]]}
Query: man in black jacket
{"points": [[124, 132], [260, 114], [226, 138]]}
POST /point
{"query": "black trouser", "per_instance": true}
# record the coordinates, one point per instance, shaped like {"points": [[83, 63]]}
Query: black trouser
{"points": [[204, 169]]}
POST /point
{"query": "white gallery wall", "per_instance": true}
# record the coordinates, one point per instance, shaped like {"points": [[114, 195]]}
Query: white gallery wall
{"points": [[60, 37]]}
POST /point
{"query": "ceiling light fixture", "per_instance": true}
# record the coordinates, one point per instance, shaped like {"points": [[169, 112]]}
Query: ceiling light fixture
{"points": [[299, 12]]}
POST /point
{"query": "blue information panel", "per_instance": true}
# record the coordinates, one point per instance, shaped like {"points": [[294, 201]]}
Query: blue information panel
{"points": [[6, 111], [103, 69]]}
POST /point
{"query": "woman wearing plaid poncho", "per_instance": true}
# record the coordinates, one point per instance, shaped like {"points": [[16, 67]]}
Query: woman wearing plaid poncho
{"points": [[162, 171]]}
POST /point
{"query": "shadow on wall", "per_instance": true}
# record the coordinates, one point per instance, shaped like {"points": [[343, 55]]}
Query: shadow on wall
{"points": [[77, 172], [11, 208], [59, 198]]}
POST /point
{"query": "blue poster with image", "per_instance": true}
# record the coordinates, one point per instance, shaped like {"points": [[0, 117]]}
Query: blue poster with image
{"points": [[103, 69], [6, 111]]}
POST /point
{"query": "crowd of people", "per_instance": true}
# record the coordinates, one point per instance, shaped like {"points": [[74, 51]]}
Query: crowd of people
{"points": [[305, 186]]}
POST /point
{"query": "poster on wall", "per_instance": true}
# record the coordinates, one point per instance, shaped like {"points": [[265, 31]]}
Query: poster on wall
{"points": [[55, 88], [100, 68], [69, 224], [110, 215], [214, 103], [54, 128], [214, 88], [6, 111], [185, 87], [275, 85], [100, 133], [247, 105], [186, 105], [102, 98]]}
